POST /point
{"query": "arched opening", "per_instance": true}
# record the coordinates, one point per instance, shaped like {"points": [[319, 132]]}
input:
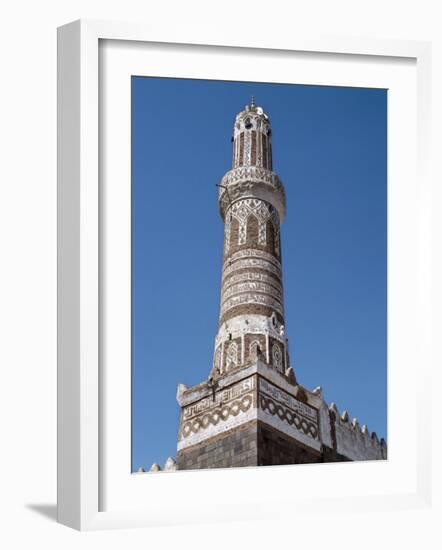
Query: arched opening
{"points": [[252, 230], [241, 150], [254, 350], [253, 148], [270, 240], [264, 151], [234, 232]]}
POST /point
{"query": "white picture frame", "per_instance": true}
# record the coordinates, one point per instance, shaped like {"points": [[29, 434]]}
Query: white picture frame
{"points": [[81, 443]]}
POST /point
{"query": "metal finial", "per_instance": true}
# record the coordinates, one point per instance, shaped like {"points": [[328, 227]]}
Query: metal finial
{"points": [[253, 101]]}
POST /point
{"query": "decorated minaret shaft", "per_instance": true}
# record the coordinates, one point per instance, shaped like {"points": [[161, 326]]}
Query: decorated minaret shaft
{"points": [[252, 205]]}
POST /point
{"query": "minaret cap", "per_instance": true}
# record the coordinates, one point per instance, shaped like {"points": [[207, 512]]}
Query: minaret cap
{"points": [[253, 109]]}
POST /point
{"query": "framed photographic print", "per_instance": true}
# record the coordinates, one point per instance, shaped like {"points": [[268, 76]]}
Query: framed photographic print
{"points": [[241, 285]]}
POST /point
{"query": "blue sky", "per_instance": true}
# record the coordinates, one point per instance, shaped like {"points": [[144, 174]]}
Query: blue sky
{"points": [[330, 150]]}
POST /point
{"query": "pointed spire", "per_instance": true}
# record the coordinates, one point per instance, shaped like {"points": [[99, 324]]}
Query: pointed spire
{"points": [[253, 101], [140, 470]]}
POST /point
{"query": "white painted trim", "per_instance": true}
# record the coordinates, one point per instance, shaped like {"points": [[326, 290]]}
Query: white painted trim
{"points": [[266, 371], [273, 421]]}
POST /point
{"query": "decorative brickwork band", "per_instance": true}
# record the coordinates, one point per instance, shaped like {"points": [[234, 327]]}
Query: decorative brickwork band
{"points": [[251, 264], [244, 212], [254, 253]]}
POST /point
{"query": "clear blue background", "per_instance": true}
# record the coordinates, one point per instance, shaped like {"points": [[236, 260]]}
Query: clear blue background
{"points": [[329, 149]]}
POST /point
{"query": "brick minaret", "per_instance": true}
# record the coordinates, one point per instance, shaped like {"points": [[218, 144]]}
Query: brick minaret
{"points": [[251, 411], [252, 205]]}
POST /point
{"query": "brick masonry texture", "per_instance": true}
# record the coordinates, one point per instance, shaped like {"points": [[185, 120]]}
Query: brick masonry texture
{"points": [[252, 238], [235, 448], [275, 448], [253, 444], [272, 278]]}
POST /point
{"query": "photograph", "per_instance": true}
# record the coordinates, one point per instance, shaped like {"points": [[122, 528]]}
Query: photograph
{"points": [[258, 274]]}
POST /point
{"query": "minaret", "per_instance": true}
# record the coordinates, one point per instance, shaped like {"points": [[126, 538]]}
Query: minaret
{"points": [[252, 205], [251, 411]]}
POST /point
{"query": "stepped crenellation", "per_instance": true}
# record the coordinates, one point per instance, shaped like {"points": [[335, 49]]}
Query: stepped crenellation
{"points": [[357, 441], [169, 466]]}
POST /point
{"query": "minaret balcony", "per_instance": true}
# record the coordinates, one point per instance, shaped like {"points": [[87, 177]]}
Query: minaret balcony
{"points": [[251, 182]]}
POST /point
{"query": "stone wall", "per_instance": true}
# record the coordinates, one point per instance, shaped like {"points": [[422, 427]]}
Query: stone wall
{"points": [[275, 448], [253, 444], [353, 441], [235, 448]]}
